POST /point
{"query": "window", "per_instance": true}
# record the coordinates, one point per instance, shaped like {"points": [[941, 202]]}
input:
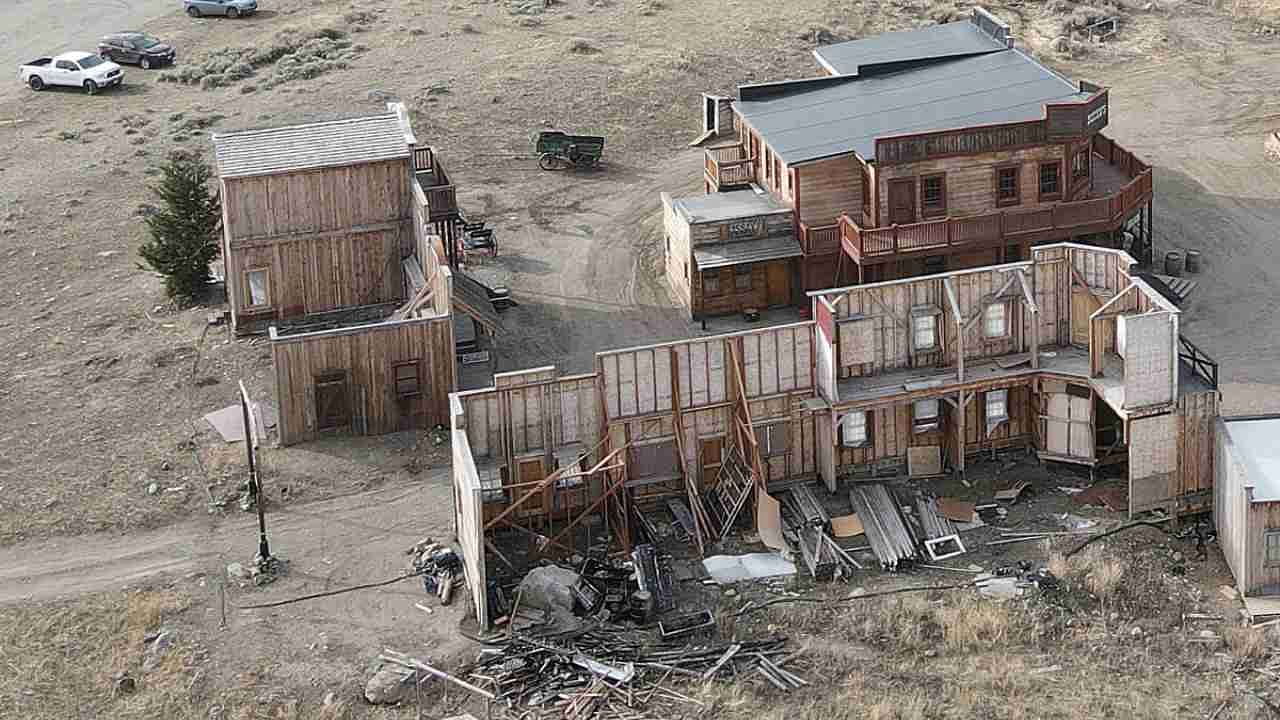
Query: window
{"points": [[1272, 547], [1080, 165], [853, 429], [933, 196], [408, 378], [1050, 187], [1008, 185], [997, 406], [742, 278], [773, 439], [65, 65], [924, 415], [711, 283], [924, 331], [995, 323], [257, 282]]}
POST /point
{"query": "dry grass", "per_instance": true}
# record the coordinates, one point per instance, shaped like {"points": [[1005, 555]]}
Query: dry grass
{"points": [[1247, 643]]}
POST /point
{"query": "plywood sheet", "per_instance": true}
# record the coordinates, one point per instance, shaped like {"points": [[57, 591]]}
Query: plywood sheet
{"points": [[857, 341], [924, 461], [847, 526], [769, 521]]}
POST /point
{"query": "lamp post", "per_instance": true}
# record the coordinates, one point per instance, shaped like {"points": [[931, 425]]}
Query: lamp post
{"points": [[255, 482]]}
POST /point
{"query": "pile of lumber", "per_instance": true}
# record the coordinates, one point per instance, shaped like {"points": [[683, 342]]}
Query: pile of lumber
{"points": [[890, 538], [614, 673]]}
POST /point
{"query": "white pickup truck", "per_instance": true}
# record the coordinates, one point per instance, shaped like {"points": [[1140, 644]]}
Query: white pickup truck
{"points": [[74, 69]]}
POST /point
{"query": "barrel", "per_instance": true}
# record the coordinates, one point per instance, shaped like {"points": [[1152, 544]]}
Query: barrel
{"points": [[1173, 263], [1193, 261], [641, 606]]}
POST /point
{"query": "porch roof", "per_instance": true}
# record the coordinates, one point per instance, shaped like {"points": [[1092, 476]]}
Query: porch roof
{"points": [[1255, 440], [722, 206], [710, 257]]}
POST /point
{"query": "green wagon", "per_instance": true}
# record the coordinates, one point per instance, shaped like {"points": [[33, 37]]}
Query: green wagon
{"points": [[559, 151]]}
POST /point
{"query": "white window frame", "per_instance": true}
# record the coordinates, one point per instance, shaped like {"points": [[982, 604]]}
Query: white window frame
{"points": [[921, 422], [855, 430], [998, 310], [250, 301], [1267, 536], [924, 323], [997, 398]]}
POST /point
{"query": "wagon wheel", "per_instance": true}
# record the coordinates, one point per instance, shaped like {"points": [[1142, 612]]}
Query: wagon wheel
{"points": [[549, 161]]}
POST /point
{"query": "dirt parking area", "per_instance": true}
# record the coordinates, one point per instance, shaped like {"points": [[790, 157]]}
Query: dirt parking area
{"points": [[106, 381]]}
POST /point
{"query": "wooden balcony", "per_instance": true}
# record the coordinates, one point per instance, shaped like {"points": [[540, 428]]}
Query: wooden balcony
{"points": [[728, 167], [820, 239], [437, 195], [1126, 187]]}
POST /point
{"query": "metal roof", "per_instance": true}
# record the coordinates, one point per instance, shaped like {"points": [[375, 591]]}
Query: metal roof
{"points": [[718, 207], [835, 119], [954, 39], [1256, 448], [710, 257], [351, 141]]}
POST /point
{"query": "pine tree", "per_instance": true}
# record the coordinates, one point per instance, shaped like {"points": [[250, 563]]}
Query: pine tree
{"points": [[185, 230]]}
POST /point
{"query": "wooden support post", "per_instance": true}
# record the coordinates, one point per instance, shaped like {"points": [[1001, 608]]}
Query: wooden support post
{"points": [[960, 413]]}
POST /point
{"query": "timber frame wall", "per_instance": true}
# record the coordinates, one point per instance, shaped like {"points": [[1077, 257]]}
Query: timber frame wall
{"points": [[664, 421]]}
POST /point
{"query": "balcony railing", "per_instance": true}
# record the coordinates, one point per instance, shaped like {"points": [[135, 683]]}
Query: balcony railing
{"points": [[1199, 363], [728, 166], [820, 239], [438, 195], [1080, 217]]}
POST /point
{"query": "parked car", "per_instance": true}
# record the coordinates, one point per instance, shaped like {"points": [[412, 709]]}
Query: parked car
{"points": [[137, 48], [230, 8], [73, 69]]}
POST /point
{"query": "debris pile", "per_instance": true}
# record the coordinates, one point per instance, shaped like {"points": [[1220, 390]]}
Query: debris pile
{"points": [[608, 671], [439, 566]]}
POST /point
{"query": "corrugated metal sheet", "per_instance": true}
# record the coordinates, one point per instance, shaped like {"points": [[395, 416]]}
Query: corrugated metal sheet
{"points": [[1000, 87], [314, 145], [709, 257], [950, 40]]}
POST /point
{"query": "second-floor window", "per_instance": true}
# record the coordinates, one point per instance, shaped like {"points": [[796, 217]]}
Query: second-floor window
{"points": [[1007, 189], [853, 429], [924, 331], [924, 415], [1050, 183], [258, 287], [995, 321], [933, 196]]}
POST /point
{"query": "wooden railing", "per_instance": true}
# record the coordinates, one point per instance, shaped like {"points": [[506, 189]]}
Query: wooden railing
{"points": [[424, 159], [1199, 363], [442, 201], [820, 239], [729, 166], [1080, 217]]}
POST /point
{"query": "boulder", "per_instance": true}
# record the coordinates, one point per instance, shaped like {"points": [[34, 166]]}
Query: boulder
{"points": [[549, 587], [156, 649], [390, 684]]}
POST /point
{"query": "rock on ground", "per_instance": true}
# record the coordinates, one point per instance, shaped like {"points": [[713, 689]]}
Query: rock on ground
{"points": [[389, 685], [549, 587]]}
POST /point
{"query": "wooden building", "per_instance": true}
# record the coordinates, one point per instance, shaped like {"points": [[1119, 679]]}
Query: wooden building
{"points": [[1068, 353], [728, 252], [317, 217], [930, 150], [1246, 507], [333, 241]]}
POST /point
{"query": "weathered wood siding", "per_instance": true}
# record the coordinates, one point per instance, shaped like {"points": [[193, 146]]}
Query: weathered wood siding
{"points": [[1231, 505], [829, 188], [971, 179], [366, 354], [1197, 419], [531, 413], [730, 299], [679, 255]]}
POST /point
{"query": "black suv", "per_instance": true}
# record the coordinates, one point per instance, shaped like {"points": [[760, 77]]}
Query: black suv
{"points": [[136, 48]]}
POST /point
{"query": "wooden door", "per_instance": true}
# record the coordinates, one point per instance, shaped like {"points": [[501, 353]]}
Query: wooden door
{"points": [[530, 471], [710, 457], [333, 401], [1069, 425], [778, 281], [902, 202], [1083, 304]]}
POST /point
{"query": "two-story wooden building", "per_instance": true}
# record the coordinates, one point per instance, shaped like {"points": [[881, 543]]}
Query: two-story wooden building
{"points": [[331, 244], [931, 150]]}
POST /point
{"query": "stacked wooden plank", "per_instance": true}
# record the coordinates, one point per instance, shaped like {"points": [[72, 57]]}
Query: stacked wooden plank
{"points": [[886, 532], [806, 507], [932, 523]]}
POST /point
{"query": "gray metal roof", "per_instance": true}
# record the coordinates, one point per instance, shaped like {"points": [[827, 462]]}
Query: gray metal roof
{"points": [[710, 257], [954, 39], [314, 145], [718, 207], [835, 119], [1258, 449]]}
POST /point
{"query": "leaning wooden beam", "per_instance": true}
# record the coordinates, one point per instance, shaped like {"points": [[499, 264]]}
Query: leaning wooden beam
{"points": [[552, 478], [1034, 308], [612, 488], [398, 658], [1008, 283], [960, 324]]}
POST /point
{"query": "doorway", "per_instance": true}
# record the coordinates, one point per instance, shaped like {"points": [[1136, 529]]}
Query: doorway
{"points": [[333, 401], [1068, 422], [778, 283], [902, 202]]}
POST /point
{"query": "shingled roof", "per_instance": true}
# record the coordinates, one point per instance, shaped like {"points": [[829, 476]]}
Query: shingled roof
{"points": [[290, 148]]}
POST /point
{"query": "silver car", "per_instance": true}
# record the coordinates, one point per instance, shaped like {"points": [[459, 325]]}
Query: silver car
{"points": [[229, 8]]}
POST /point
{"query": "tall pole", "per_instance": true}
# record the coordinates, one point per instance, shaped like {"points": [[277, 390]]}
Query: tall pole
{"points": [[255, 484]]}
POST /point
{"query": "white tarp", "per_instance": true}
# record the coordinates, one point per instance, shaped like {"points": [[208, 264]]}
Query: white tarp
{"points": [[725, 569]]}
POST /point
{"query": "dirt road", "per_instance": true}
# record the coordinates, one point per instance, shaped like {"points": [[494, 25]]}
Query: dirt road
{"points": [[31, 28], [336, 539]]}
